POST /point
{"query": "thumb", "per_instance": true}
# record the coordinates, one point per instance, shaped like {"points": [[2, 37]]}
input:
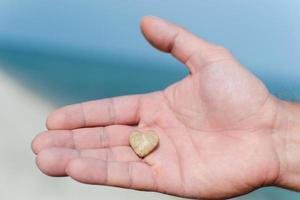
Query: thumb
{"points": [[191, 50]]}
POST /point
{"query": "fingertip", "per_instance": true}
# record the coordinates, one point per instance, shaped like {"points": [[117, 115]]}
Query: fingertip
{"points": [[158, 32], [46, 163], [54, 161], [149, 19], [56, 120], [52, 139], [67, 117], [36, 143], [148, 22]]}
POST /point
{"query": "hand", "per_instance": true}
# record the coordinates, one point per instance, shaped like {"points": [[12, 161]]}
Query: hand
{"points": [[215, 127]]}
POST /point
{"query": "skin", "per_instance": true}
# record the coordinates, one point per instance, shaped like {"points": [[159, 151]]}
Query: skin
{"points": [[221, 132]]}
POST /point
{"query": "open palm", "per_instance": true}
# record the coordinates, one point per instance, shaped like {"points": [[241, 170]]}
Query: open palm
{"points": [[215, 128]]}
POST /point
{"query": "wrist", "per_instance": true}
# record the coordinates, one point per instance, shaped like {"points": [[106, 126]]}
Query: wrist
{"points": [[286, 134]]}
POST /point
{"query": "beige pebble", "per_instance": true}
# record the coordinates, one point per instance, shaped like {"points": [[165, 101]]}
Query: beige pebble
{"points": [[143, 143]]}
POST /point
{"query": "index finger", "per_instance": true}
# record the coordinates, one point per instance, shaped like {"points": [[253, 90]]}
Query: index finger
{"points": [[109, 111]]}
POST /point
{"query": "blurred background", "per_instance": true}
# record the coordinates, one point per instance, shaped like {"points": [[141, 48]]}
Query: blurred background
{"points": [[60, 52]]}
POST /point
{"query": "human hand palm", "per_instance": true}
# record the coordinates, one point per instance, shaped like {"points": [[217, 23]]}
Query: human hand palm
{"points": [[215, 128]]}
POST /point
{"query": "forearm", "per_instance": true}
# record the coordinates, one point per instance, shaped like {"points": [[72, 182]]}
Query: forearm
{"points": [[287, 141]]}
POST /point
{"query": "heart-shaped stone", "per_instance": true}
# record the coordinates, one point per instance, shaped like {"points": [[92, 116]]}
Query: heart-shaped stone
{"points": [[143, 142]]}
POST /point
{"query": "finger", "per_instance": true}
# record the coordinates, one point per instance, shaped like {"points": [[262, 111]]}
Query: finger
{"points": [[116, 110], [85, 138], [53, 161], [191, 50], [134, 175]]}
